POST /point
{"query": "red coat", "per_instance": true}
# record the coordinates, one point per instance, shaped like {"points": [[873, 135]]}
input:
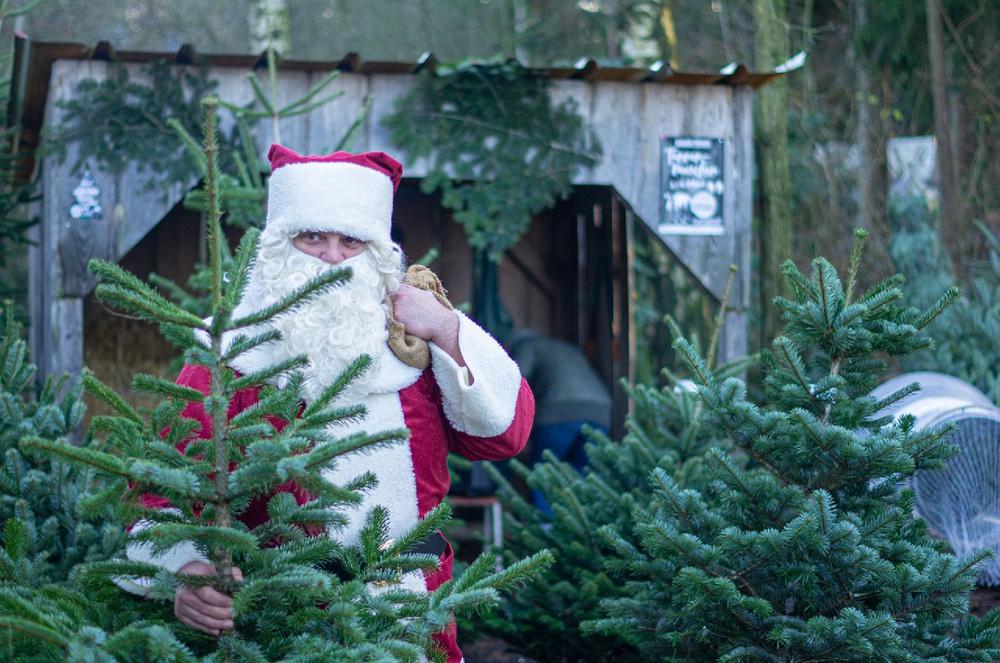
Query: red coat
{"points": [[487, 420]]}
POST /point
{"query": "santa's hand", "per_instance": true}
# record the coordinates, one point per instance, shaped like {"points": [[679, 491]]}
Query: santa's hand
{"points": [[423, 316], [204, 608]]}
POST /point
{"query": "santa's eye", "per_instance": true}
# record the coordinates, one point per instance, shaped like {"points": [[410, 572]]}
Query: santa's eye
{"points": [[311, 238], [352, 242]]}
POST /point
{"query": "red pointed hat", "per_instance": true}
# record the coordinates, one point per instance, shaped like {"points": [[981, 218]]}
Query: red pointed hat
{"points": [[340, 192]]}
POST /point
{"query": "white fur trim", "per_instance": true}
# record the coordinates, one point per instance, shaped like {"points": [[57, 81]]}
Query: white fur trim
{"points": [[485, 407], [413, 581], [392, 465], [330, 196], [173, 559]]}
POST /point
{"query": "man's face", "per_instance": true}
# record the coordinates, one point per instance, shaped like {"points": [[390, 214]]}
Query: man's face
{"points": [[330, 247]]}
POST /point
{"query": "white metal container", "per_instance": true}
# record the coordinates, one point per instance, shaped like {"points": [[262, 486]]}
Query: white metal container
{"points": [[961, 501]]}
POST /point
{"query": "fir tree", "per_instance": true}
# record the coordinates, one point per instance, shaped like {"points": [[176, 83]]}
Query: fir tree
{"points": [[665, 430], [805, 547], [966, 334], [41, 500], [291, 605], [16, 189]]}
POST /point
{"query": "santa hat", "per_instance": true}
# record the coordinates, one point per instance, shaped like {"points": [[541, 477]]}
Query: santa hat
{"points": [[341, 192]]}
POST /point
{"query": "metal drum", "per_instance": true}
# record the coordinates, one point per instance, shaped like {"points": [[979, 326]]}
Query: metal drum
{"points": [[961, 501]]}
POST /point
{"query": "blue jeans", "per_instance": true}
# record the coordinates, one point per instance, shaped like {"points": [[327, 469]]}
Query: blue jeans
{"points": [[564, 439]]}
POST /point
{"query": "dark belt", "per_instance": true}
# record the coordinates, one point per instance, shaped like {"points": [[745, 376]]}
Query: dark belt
{"points": [[434, 544]]}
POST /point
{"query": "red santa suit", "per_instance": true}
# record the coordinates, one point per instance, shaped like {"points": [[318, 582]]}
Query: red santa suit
{"points": [[482, 411]]}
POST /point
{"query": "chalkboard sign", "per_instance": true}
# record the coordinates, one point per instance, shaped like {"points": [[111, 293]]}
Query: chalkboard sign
{"points": [[691, 186]]}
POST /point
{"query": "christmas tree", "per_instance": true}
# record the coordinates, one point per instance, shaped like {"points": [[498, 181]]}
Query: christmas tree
{"points": [[966, 333], [45, 535], [804, 547], [300, 596], [665, 430]]}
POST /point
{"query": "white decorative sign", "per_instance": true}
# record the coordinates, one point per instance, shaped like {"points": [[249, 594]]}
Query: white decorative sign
{"points": [[692, 186], [86, 200]]}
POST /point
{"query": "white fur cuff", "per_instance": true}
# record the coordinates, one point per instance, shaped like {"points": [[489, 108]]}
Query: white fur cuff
{"points": [[486, 407], [172, 560]]}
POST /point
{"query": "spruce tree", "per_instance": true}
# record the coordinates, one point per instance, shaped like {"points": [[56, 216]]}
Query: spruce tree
{"points": [[303, 598], [665, 429], [966, 334], [804, 547], [41, 500]]}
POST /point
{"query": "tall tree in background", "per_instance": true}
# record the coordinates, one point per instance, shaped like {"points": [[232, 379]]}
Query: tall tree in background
{"points": [[950, 216], [269, 26], [771, 118], [872, 138], [14, 192]]}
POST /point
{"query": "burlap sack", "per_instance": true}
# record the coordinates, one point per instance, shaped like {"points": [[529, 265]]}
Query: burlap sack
{"points": [[411, 350]]}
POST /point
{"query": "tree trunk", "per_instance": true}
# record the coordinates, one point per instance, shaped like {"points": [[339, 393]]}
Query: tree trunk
{"points": [[670, 34], [871, 137], [949, 221], [771, 46], [269, 26]]}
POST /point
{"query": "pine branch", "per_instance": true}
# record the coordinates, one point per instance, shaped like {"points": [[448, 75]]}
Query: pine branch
{"points": [[137, 297], [245, 252], [167, 388], [106, 394], [347, 140], [87, 457], [720, 318], [857, 250], [299, 297], [352, 372]]}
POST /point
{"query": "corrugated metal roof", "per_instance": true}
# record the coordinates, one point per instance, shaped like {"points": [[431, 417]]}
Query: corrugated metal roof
{"points": [[33, 66]]}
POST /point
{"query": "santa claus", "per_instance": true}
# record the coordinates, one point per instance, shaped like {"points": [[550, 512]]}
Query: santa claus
{"points": [[335, 211]]}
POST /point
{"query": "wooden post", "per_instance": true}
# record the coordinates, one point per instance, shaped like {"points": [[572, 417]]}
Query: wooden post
{"points": [[735, 343]]}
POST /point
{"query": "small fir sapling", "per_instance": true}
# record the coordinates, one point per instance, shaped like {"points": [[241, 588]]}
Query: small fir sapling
{"points": [[304, 598], [804, 548]]}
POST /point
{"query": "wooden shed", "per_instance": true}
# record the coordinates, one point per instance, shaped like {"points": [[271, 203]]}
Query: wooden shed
{"points": [[572, 276]]}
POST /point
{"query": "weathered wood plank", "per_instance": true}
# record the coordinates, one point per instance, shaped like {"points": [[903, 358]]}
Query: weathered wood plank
{"points": [[737, 332], [42, 283], [130, 207], [67, 337], [328, 124]]}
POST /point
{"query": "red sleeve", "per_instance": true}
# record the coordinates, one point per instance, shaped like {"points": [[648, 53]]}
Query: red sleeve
{"points": [[196, 377], [505, 445]]}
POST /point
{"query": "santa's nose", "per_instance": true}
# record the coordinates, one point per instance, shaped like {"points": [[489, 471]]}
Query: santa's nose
{"points": [[333, 253]]}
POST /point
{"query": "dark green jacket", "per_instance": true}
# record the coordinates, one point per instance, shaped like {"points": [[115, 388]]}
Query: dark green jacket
{"points": [[565, 385]]}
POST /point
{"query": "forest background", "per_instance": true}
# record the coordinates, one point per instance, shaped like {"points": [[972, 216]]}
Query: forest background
{"points": [[890, 125], [876, 70]]}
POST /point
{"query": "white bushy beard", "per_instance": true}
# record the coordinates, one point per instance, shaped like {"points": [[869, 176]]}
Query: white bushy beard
{"points": [[331, 329]]}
